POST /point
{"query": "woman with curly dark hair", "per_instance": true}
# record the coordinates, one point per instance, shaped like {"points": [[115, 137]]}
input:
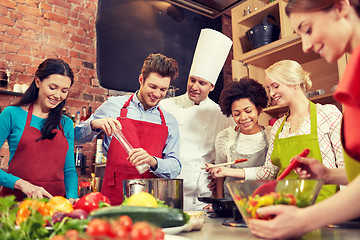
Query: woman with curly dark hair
{"points": [[244, 101], [40, 138]]}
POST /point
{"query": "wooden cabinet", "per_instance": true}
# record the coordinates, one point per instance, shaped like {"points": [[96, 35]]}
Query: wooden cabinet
{"points": [[249, 62]]}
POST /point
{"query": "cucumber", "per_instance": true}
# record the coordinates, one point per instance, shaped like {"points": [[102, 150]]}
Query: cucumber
{"points": [[161, 217]]}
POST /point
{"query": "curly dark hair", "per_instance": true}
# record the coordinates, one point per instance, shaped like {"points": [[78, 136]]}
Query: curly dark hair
{"points": [[158, 63], [244, 88]]}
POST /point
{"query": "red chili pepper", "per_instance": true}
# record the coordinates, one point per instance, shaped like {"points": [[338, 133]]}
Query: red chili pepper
{"points": [[91, 201]]}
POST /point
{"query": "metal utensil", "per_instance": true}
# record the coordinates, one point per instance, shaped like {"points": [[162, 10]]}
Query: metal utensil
{"points": [[168, 190], [226, 164]]}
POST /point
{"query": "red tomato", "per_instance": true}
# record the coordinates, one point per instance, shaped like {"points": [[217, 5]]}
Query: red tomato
{"points": [[159, 234], [71, 234], [141, 231], [58, 237], [126, 222], [119, 231], [99, 227]]}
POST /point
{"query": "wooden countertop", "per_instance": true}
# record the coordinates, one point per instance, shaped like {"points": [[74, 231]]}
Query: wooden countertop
{"points": [[215, 230]]}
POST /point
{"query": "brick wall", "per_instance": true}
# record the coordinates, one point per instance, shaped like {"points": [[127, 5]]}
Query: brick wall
{"points": [[227, 30], [33, 30]]}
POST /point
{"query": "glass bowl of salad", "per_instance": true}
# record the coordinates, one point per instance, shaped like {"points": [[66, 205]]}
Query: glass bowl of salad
{"points": [[297, 192]]}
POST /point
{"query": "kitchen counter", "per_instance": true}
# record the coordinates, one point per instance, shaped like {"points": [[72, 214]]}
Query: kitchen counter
{"points": [[215, 230]]}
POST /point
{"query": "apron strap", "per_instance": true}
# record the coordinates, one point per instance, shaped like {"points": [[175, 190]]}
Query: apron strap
{"points": [[162, 117], [29, 115], [124, 110], [313, 120]]}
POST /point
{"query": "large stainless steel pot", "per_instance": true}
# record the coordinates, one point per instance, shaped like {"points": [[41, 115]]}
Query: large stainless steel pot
{"points": [[168, 190]]}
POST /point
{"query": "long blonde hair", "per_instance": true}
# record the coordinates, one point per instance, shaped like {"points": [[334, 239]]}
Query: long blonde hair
{"points": [[289, 72]]}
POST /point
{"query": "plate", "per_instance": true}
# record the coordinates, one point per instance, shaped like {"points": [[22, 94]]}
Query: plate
{"points": [[175, 237], [173, 230], [47, 228]]}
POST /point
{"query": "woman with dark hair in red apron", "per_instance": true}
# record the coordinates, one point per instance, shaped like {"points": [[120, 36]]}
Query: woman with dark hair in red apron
{"points": [[40, 138]]}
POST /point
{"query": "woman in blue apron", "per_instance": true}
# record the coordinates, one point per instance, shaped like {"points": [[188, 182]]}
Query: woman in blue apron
{"points": [[40, 138], [330, 27], [244, 101]]}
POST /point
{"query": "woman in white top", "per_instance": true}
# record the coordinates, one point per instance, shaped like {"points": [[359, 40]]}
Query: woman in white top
{"points": [[244, 101]]}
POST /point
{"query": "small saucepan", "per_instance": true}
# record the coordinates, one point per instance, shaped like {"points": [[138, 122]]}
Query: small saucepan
{"points": [[168, 190], [223, 207]]}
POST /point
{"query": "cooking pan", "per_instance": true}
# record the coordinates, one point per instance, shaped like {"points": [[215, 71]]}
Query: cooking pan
{"points": [[223, 207], [168, 190]]}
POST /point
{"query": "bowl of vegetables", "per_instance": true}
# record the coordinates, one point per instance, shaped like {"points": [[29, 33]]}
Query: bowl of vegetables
{"points": [[297, 192]]}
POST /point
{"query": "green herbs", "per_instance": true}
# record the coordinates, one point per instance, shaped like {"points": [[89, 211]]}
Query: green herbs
{"points": [[35, 226]]}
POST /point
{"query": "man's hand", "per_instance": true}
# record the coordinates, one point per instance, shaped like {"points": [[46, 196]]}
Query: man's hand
{"points": [[30, 190], [108, 125], [139, 156]]}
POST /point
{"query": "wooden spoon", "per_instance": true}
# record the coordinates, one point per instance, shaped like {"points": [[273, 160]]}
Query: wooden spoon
{"points": [[226, 164], [270, 186]]}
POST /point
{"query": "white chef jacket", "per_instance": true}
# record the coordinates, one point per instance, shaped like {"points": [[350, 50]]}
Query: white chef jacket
{"points": [[198, 128]]}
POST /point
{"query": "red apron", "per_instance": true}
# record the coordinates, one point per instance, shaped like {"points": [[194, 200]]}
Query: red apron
{"points": [[39, 162], [149, 136]]}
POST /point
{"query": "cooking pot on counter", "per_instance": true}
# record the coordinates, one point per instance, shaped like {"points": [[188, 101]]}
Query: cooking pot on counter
{"points": [[168, 190], [223, 207]]}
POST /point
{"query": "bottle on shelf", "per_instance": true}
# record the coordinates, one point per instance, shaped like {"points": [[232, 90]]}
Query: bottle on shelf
{"points": [[99, 151], [78, 155], [83, 115], [73, 118], [77, 118], [89, 112], [93, 183]]}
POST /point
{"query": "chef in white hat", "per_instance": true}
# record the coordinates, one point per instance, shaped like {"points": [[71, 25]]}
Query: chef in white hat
{"points": [[200, 118]]}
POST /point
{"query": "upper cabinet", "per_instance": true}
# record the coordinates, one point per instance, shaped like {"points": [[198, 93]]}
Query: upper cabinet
{"points": [[252, 62]]}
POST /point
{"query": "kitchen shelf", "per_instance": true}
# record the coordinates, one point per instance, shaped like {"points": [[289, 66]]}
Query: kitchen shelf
{"points": [[257, 16], [290, 46], [99, 164], [5, 92]]}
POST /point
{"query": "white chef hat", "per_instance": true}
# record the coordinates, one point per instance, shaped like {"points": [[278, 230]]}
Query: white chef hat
{"points": [[210, 55]]}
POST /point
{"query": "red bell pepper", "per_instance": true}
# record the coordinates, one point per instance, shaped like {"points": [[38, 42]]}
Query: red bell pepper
{"points": [[92, 201]]}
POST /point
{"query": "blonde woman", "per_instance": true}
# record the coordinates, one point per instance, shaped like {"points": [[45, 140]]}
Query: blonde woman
{"points": [[306, 125]]}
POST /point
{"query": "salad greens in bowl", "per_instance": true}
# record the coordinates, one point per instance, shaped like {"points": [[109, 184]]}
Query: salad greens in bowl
{"points": [[297, 192]]}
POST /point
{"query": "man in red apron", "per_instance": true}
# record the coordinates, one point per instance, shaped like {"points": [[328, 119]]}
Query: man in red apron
{"points": [[152, 132]]}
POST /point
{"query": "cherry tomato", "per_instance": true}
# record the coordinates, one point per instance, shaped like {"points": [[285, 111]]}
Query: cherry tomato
{"points": [[126, 221], [71, 234], [119, 231], [159, 234], [99, 227], [141, 231], [58, 237]]}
